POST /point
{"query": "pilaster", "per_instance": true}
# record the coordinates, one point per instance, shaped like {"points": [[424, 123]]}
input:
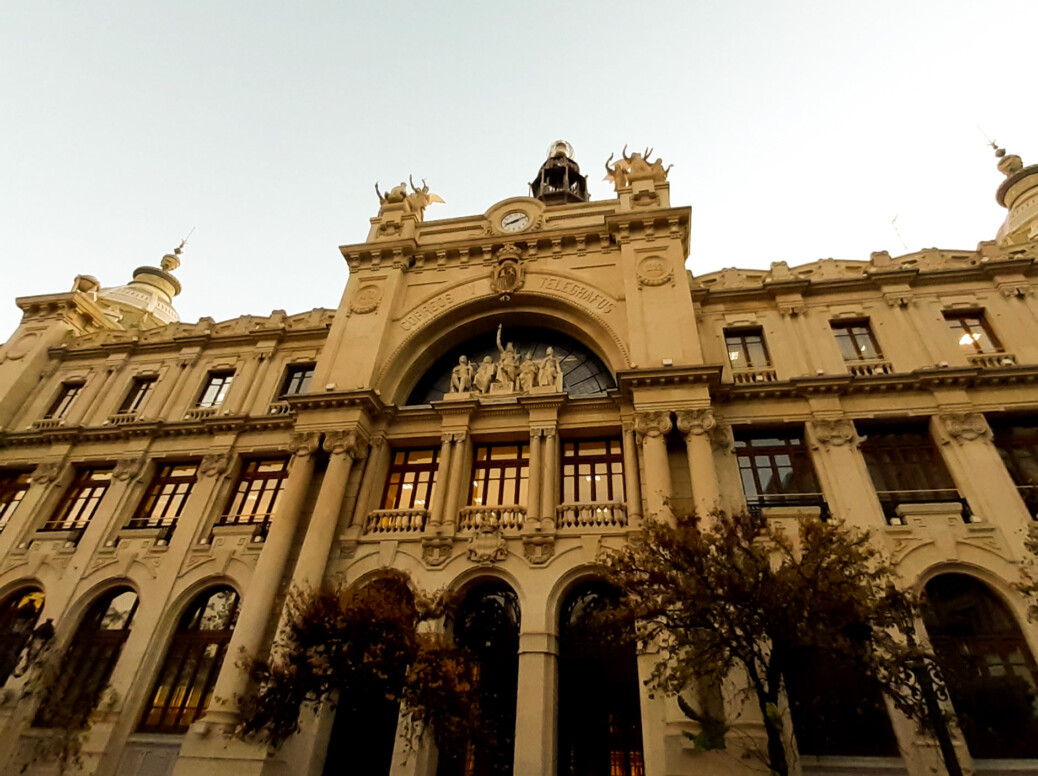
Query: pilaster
{"points": [[652, 429], [842, 473]]}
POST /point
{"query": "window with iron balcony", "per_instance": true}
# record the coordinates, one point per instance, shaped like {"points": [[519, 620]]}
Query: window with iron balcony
{"points": [[906, 468], [776, 470], [592, 484], [166, 496], [748, 355], [1017, 442], [256, 494], [13, 486], [80, 502], [500, 482]]}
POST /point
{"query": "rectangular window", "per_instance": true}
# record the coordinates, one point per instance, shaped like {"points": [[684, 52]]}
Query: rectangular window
{"points": [[412, 475], [63, 402], [81, 500], [855, 340], [166, 496], [256, 494], [13, 486], [138, 392], [972, 333], [1017, 443], [746, 348], [500, 475], [216, 386], [776, 470], [297, 379], [906, 467], [592, 472]]}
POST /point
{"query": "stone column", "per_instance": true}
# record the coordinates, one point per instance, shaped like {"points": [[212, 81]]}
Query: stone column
{"points": [[257, 603], [549, 482], [652, 428], [343, 448], [697, 426], [632, 479], [536, 708], [459, 475], [374, 478], [842, 472], [439, 496]]}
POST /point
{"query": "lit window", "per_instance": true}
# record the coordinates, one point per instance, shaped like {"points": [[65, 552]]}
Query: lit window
{"points": [[972, 333], [139, 391], [63, 402], [166, 496], [216, 386], [856, 340], [81, 500], [592, 472], [746, 349], [89, 661], [256, 494], [500, 475], [297, 379], [411, 477], [13, 486], [184, 686]]}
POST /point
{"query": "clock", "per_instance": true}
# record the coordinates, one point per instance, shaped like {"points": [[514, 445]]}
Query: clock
{"points": [[514, 221]]}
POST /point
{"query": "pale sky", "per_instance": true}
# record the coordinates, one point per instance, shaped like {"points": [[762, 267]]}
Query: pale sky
{"points": [[797, 130]]}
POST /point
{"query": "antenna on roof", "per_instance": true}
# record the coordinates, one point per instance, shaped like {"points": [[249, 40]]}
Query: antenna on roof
{"points": [[184, 241], [893, 223], [991, 142]]}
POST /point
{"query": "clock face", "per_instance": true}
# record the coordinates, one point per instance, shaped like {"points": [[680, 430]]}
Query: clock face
{"points": [[515, 221]]}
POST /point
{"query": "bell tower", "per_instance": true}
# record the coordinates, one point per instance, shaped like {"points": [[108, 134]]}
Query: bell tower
{"points": [[559, 181]]}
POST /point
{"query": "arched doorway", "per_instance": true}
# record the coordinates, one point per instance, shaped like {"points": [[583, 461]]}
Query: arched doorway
{"points": [[488, 626], [18, 617], [987, 665], [599, 700]]}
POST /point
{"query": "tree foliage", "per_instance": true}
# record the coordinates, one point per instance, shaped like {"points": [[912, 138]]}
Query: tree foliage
{"points": [[734, 590], [373, 642]]}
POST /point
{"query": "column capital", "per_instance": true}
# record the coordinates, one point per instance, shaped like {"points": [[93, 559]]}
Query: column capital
{"points": [[653, 424], [703, 422], [215, 464], [835, 433], [128, 467], [48, 471], [543, 430], [966, 426], [453, 436], [303, 443], [342, 442]]}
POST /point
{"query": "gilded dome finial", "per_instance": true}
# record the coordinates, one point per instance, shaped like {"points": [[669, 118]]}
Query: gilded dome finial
{"points": [[172, 260]]}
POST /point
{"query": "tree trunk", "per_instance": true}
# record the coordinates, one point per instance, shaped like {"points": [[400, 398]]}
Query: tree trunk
{"points": [[773, 727]]}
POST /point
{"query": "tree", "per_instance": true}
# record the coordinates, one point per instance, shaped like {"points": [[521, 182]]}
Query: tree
{"points": [[367, 644], [735, 590]]}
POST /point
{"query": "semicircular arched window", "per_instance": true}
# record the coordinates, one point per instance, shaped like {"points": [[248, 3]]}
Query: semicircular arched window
{"points": [[582, 372], [89, 661], [488, 626], [185, 683], [987, 665], [18, 617], [599, 699]]}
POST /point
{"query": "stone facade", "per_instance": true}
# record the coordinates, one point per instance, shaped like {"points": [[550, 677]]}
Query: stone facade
{"points": [[688, 368]]}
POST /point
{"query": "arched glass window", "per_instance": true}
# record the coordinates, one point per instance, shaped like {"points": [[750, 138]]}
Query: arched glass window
{"points": [[488, 626], [18, 616], [364, 730], [185, 683], [985, 661], [600, 730], [89, 660]]}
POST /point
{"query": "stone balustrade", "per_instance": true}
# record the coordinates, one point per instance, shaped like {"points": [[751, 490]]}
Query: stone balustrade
{"points": [[506, 516], [200, 413], [992, 360], [396, 521], [870, 367], [279, 408], [610, 514], [122, 418], [749, 376]]}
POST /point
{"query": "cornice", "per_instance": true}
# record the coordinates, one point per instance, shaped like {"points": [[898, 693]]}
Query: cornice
{"points": [[367, 400], [705, 374]]}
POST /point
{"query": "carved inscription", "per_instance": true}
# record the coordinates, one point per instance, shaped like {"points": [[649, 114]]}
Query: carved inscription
{"points": [[577, 291], [426, 311]]}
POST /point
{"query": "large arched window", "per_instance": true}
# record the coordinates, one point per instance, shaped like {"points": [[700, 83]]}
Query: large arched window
{"points": [[989, 670], [18, 616], [185, 684], [364, 730], [488, 626], [600, 731], [88, 663]]}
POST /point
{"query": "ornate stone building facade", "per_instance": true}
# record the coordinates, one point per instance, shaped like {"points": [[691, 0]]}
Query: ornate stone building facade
{"points": [[495, 399]]}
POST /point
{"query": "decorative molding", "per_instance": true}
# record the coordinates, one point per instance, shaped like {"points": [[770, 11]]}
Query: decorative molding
{"points": [[215, 464], [487, 545], [966, 426], [303, 443], [653, 424], [538, 548], [129, 467], [654, 271], [47, 472], [702, 422], [340, 442], [366, 300], [436, 549], [835, 433]]}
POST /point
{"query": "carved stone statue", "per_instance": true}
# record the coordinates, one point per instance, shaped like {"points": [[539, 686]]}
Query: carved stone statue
{"points": [[549, 373], [508, 364], [420, 198], [396, 195], [484, 375], [528, 370], [635, 167], [461, 376]]}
